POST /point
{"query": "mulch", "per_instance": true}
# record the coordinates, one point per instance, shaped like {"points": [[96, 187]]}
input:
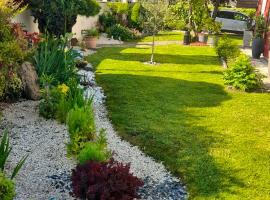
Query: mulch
{"points": [[198, 44]]}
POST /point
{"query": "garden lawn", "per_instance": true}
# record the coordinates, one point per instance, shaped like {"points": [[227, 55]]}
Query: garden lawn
{"points": [[164, 36], [180, 113]]}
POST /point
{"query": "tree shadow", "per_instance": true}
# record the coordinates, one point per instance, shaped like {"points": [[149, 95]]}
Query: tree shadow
{"points": [[153, 113], [143, 55]]}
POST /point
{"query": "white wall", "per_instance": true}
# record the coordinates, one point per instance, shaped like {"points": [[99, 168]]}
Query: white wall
{"points": [[263, 6], [27, 21]]}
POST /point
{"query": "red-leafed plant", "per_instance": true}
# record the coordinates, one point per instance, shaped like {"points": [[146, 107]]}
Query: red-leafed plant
{"points": [[104, 181]]}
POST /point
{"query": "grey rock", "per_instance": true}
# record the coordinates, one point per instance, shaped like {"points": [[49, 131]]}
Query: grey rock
{"points": [[29, 79]]}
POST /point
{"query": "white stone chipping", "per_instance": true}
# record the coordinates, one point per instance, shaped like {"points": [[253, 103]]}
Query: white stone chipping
{"points": [[44, 141], [46, 173]]}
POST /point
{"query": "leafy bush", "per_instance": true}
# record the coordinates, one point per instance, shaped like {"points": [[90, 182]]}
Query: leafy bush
{"points": [[52, 58], [7, 189], [135, 16], [174, 19], [5, 150], [49, 101], [242, 75], [81, 127], [11, 56], [108, 180], [56, 102], [227, 49], [93, 151], [106, 20], [120, 32], [260, 27], [10, 85], [118, 7], [10, 53]]}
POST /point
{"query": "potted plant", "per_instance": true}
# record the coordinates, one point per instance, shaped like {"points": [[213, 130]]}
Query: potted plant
{"points": [[203, 37], [90, 38], [213, 29], [187, 36], [258, 40]]}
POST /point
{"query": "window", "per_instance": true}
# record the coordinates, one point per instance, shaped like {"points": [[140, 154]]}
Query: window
{"points": [[225, 15], [240, 17]]}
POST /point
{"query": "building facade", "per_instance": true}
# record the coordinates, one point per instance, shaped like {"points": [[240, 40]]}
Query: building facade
{"points": [[263, 9]]}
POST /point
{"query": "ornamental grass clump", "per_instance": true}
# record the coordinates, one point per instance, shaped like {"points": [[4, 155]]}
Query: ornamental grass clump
{"points": [[104, 180], [243, 75]]}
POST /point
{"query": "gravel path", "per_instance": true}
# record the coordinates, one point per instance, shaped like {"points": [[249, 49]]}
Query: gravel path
{"points": [[47, 169]]}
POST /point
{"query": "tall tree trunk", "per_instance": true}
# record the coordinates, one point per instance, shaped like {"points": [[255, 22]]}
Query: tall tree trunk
{"points": [[153, 49]]}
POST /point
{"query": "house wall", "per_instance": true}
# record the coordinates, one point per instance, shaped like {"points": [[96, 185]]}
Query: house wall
{"points": [[263, 9]]}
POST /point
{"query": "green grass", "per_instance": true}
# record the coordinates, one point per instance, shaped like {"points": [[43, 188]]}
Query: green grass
{"points": [[238, 39], [179, 112], [164, 36]]}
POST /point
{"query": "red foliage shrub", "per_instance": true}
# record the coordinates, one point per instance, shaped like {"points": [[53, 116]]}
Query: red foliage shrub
{"points": [[104, 181]]}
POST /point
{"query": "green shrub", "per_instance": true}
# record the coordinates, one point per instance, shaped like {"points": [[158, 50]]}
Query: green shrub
{"points": [[13, 87], [260, 27], [106, 20], [11, 54], [227, 49], [49, 101], [120, 32], [7, 188], [81, 127], [93, 151], [10, 85], [242, 75], [118, 7], [135, 16], [56, 102]]}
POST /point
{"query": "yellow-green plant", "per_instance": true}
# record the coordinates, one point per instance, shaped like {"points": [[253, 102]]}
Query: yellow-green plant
{"points": [[81, 126], [7, 188]]}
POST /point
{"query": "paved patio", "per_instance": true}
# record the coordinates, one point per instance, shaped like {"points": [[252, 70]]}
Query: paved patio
{"points": [[261, 64]]}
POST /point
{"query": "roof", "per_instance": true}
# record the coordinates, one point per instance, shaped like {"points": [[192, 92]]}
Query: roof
{"points": [[247, 4]]}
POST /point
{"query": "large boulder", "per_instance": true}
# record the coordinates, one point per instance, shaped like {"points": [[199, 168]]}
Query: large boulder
{"points": [[29, 79]]}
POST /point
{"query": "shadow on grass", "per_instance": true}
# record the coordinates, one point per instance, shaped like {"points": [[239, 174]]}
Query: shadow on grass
{"points": [[143, 56], [153, 113]]}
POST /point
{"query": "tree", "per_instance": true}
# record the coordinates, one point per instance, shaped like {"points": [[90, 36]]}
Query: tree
{"points": [[59, 16], [216, 4], [196, 14], [152, 15]]}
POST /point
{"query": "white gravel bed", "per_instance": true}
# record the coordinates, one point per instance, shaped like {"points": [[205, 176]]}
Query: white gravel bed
{"points": [[45, 143]]}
